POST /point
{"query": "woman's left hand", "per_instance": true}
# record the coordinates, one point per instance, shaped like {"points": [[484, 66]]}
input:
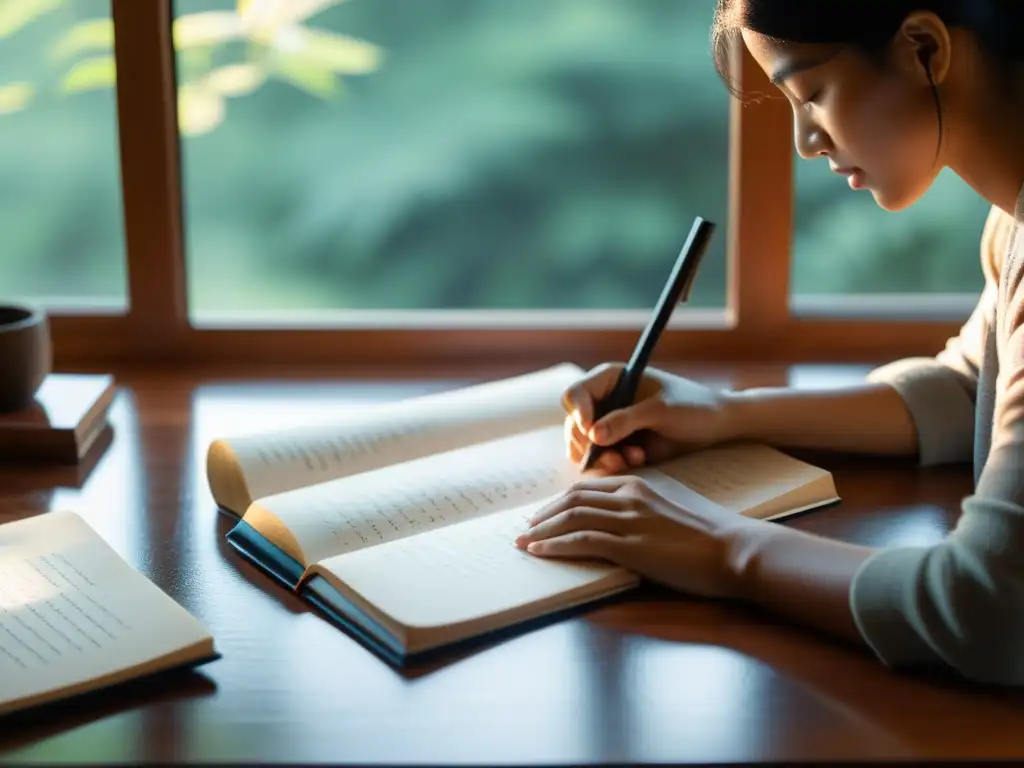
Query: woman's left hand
{"points": [[623, 520]]}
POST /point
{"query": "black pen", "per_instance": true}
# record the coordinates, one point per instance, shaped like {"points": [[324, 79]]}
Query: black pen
{"points": [[676, 291]]}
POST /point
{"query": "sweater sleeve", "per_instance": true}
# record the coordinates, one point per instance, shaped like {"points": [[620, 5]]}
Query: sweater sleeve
{"points": [[960, 603], [940, 391]]}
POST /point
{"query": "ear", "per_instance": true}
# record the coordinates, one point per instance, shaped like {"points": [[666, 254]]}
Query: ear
{"points": [[923, 47]]}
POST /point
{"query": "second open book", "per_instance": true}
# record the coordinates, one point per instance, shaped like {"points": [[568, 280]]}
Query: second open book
{"points": [[398, 521]]}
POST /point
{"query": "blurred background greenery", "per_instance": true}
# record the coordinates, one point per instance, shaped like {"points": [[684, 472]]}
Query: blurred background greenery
{"points": [[423, 154]]}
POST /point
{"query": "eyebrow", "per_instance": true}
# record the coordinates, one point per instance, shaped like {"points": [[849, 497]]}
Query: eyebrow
{"points": [[783, 73], [796, 66]]}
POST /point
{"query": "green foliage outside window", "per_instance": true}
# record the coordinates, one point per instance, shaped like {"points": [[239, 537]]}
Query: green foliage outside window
{"points": [[404, 154]]}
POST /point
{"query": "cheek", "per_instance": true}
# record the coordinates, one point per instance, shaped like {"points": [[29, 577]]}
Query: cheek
{"points": [[892, 134]]}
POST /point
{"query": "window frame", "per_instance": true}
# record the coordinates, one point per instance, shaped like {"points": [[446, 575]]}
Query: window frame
{"points": [[757, 324]]}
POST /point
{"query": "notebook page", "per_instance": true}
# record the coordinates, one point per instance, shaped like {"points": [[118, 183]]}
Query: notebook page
{"points": [[72, 611], [389, 433], [460, 573], [740, 477], [392, 502]]}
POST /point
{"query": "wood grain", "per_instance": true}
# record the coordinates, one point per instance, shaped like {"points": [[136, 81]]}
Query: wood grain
{"points": [[761, 204], [659, 678]]}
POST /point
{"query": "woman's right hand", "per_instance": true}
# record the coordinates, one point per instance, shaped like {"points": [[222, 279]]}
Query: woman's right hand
{"points": [[671, 415]]}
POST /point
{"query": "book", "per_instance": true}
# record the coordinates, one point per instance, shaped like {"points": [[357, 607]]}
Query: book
{"points": [[75, 617], [42, 477], [397, 522], [68, 417]]}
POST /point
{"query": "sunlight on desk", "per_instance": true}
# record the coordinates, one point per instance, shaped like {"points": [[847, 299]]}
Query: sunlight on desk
{"points": [[117, 739], [658, 679], [700, 698], [918, 526], [117, 479], [530, 699]]}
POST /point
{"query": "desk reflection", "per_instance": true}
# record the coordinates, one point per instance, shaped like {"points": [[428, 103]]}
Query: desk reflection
{"points": [[658, 677]]}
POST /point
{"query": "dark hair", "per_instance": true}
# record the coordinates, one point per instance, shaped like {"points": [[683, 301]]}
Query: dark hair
{"points": [[867, 26]]}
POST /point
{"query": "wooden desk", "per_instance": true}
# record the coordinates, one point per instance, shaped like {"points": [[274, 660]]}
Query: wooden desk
{"points": [[662, 678]]}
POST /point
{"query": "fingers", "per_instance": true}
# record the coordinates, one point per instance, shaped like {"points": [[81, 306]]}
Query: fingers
{"points": [[579, 398], [578, 531], [635, 456], [595, 492], [575, 442], [582, 518], [580, 544], [578, 402], [593, 519], [610, 462], [618, 425]]}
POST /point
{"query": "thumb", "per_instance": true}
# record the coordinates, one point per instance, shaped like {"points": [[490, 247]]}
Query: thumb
{"points": [[620, 424], [579, 398]]}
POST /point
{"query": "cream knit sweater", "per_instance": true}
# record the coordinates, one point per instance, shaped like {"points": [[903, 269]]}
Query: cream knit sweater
{"points": [[960, 603]]}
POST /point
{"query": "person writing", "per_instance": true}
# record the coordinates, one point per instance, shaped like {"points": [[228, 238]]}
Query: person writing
{"points": [[889, 93]]}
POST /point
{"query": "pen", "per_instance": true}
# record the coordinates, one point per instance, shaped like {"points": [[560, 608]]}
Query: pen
{"points": [[676, 291]]}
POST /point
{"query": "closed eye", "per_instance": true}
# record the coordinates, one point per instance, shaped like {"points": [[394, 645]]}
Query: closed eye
{"points": [[812, 98]]}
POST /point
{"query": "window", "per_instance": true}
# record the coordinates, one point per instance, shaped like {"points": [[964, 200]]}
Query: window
{"points": [[477, 181], [849, 253], [60, 198], [446, 155]]}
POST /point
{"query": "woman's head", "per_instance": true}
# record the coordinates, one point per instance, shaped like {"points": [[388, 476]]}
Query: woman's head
{"points": [[878, 87]]}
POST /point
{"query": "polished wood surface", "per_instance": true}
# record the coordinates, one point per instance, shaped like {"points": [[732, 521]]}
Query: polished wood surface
{"points": [[658, 678]]}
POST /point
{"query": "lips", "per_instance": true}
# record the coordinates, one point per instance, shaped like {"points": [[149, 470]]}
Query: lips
{"points": [[854, 176]]}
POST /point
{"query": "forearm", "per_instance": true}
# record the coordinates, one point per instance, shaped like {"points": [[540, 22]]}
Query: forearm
{"points": [[866, 419], [802, 577]]}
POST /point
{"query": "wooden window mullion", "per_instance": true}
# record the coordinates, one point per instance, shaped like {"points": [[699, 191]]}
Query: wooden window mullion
{"points": [[760, 207], [150, 172]]}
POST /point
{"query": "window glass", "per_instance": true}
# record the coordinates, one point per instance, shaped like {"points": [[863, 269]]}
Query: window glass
{"points": [[61, 223], [447, 154]]}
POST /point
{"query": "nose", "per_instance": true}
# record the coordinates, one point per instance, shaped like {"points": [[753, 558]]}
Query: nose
{"points": [[810, 139]]}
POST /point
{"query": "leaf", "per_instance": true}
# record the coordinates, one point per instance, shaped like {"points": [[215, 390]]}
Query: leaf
{"points": [[15, 14], [207, 28], [89, 35], [270, 15], [90, 74], [200, 110], [306, 75], [235, 79], [339, 53], [15, 97]]}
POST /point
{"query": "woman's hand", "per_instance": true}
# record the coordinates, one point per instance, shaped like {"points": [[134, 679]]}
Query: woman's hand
{"points": [[671, 415], [625, 521]]}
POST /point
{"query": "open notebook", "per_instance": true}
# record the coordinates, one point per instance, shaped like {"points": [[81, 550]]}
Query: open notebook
{"points": [[398, 521], [75, 617]]}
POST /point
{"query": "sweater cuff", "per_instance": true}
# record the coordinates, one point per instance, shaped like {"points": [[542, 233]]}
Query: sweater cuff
{"points": [[882, 609], [1000, 482], [941, 406]]}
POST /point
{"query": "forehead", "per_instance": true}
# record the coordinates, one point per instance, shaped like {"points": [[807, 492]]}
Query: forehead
{"points": [[781, 60]]}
